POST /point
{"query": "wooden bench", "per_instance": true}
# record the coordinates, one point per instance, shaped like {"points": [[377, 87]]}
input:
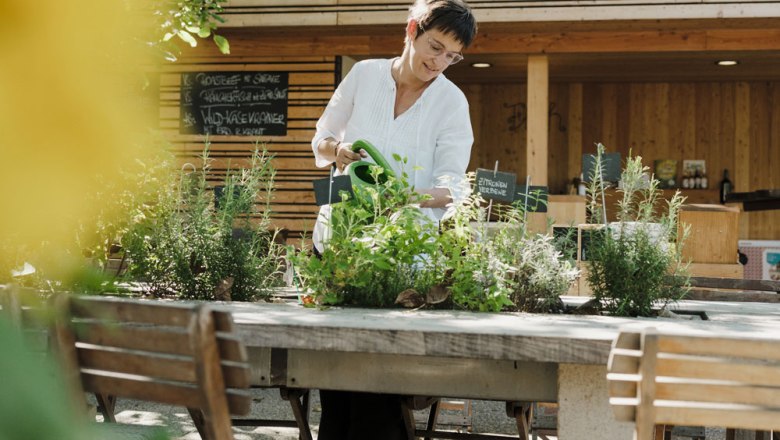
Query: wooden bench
{"points": [[729, 289], [667, 379], [174, 353]]}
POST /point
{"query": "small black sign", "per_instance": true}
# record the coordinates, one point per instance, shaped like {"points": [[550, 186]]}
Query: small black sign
{"points": [[496, 185], [537, 198], [234, 103], [326, 193], [610, 167]]}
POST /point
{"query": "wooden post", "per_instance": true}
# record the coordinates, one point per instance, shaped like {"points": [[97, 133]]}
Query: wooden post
{"points": [[574, 155], [538, 105], [741, 172]]}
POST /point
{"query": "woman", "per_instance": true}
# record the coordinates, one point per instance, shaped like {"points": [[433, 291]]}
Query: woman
{"points": [[405, 106]]}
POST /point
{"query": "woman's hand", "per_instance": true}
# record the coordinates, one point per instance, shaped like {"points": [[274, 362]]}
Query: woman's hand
{"points": [[440, 197], [345, 155]]}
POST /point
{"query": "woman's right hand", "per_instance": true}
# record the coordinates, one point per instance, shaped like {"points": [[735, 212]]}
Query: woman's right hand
{"points": [[345, 155]]}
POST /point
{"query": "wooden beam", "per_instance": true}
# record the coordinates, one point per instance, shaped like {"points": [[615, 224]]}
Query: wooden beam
{"points": [[281, 12], [574, 124], [388, 40], [538, 105], [741, 173]]}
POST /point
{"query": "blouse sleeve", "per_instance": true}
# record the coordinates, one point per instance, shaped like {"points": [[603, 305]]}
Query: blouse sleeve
{"points": [[453, 152], [333, 122]]}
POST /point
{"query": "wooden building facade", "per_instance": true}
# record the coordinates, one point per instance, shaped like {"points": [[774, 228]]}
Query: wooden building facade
{"points": [[634, 75]]}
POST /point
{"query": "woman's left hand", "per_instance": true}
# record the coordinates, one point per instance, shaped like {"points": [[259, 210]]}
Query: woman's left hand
{"points": [[440, 197]]}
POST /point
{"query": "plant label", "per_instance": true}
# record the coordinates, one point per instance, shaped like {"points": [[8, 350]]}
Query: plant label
{"points": [[496, 185]]}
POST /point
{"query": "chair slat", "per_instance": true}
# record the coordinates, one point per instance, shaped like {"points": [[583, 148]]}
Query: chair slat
{"points": [[231, 348], [623, 385], [115, 309], [223, 321], [628, 340], [236, 374], [697, 392], [719, 369], [115, 384], [135, 337], [172, 368], [239, 401], [624, 361], [731, 416], [719, 346]]}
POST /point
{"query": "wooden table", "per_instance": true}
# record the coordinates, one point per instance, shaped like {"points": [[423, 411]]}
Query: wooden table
{"points": [[507, 356]]}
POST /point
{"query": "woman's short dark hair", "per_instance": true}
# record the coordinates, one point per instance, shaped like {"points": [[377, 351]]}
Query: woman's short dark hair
{"points": [[449, 16]]}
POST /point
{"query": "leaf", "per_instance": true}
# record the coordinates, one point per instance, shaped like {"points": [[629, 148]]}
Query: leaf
{"points": [[410, 299], [437, 294], [187, 38], [204, 32], [222, 44]]}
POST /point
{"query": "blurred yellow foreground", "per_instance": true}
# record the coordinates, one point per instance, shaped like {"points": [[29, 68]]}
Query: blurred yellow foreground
{"points": [[71, 73]]}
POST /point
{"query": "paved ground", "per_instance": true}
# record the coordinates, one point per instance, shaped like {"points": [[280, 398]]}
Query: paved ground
{"points": [[487, 417]]}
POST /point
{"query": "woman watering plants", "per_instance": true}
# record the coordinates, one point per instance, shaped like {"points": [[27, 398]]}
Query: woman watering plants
{"points": [[402, 106]]}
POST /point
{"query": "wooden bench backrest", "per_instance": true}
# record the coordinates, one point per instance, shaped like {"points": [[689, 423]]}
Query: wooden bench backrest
{"points": [[171, 353], [659, 378], [26, 310]]}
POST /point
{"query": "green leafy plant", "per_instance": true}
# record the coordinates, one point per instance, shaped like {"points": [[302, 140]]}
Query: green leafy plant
{"points": [[189, 244], [380, 245], [636, 262], [507, 269], [383, 250], [188, 20]]}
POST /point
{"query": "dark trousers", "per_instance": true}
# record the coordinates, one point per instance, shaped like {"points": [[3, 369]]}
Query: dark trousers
{"points": [[360, 416]]}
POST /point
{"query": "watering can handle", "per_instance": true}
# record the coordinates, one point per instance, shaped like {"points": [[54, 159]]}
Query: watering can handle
{"points": [[375, 154]]}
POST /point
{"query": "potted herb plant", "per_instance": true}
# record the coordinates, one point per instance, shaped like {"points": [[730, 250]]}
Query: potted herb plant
{"points": [[635, 263], [190, 244]]}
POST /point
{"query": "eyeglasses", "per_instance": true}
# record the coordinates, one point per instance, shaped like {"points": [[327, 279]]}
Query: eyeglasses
{"points": [[437, 49]]}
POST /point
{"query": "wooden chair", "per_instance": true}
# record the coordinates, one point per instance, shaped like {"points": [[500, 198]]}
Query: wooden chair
{"points": [[179, 354], [26, 310], [659, 379]]}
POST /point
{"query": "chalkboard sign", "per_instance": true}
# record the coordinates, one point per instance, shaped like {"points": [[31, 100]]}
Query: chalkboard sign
{"points": [[610, 167], [234, 103], [328, 191], [496, 185]]}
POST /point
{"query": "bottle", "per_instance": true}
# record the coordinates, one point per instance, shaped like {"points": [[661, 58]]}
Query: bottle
{"points": [[696, 180], [582, 189], [686, 181], [704, 182], [725, 186]]}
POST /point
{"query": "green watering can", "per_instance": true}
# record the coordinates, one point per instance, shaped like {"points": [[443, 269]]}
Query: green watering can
{"points": [[360, 172]]}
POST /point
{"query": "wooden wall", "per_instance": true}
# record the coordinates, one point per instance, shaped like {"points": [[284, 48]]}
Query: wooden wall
{"points": [[733, 125], [311, 84]]}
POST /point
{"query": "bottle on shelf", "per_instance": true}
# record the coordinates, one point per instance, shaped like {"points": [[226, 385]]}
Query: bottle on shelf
{"points": [[696, 180], [725, 186], [704, 182], [581, 187], [686, 180]]}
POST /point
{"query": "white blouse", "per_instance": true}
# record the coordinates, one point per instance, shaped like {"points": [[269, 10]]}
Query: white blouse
{"points": [[434, 133]]}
